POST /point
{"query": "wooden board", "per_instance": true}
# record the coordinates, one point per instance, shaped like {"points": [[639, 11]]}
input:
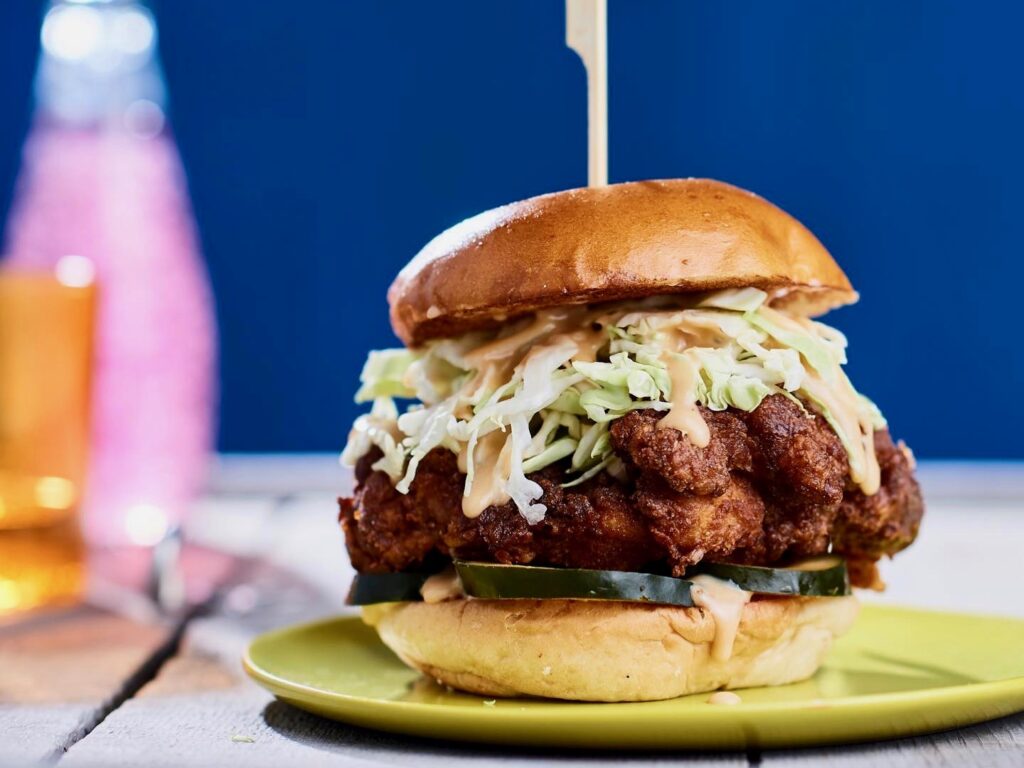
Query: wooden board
{"points": [[60, 674]]}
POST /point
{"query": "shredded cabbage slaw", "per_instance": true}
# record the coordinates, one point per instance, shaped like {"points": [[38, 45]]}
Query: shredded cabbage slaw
{"points": [[553, 401]]}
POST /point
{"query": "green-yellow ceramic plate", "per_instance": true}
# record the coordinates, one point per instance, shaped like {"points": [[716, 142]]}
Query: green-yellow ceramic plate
{"points": [[899, 672]]}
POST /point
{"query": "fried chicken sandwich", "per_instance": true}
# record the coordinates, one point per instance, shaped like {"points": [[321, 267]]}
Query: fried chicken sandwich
{"points": [[618, 459]]}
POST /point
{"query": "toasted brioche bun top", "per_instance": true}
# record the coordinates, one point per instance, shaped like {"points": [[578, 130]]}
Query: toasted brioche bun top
{"points": [[624, 241]]}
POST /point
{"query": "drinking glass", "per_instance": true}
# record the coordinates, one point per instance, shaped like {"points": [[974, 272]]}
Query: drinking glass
{"points": [[46, 333]]}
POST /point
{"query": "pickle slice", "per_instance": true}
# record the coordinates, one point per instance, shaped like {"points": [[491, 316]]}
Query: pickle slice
{"points": [[495, 582], [819, 577], [370, 588]]}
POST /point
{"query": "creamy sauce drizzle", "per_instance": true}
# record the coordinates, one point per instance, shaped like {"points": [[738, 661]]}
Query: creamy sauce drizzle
{"points": [[496, 360], [442, 586], [684, 414], [506, 346], [588, 343], [840, 399], [486, 379], [724, 698], [725, 604], [490, 466], [545, 323], [495, 363]]}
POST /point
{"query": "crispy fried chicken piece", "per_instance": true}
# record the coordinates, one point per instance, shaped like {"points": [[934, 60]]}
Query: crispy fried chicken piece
{"points": [[868, 527], [794, 460], [799, 460], [389, 531], [771, 485], [669, 455], [592, 525], [864, 574], [691, 528], [789, 533]]}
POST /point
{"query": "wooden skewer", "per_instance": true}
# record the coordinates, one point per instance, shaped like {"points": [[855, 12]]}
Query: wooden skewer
{"points": [[586, 32]]}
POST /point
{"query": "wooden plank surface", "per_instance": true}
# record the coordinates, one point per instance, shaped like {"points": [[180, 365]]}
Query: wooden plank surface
{"points": [[192, 715], [62, 673], [35, 734]]}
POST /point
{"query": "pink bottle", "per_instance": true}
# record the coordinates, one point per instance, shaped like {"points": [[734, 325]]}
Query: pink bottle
{"points": [[101, 178]]}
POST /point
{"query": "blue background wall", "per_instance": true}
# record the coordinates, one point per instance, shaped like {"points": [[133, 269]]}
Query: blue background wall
{"points": [[326, 141]]}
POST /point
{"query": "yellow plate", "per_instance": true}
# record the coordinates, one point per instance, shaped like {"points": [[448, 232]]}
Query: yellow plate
{"points": [[899, 672]]}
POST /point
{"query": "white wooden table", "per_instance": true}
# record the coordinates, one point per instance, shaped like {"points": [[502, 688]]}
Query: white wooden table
{"points": [[105, 685]]}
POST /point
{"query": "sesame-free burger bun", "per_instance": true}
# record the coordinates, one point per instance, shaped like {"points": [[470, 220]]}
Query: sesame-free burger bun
{"points": [[623, 241], [607, 651]]}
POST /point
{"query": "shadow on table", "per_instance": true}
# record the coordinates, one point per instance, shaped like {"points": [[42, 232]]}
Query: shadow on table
{"points": [[1005, 734], [321, 733], [972, 745]]}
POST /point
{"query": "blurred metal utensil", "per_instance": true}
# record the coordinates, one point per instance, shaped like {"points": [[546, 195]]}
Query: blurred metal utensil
{"points": [[166, 585]]}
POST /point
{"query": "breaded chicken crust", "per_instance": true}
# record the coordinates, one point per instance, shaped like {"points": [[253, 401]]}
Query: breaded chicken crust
{"points": [[771, 485]]}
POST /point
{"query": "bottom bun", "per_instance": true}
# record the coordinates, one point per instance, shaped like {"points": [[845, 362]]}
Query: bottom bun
{"points": [[607, 651]]}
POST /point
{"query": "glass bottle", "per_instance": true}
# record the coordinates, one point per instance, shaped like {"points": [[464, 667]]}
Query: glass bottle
{"points": [[101, 178]]}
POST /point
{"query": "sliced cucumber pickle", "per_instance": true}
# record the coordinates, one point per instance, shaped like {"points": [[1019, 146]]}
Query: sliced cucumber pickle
{"points": [[493, 581], [819, 577], [370, 588]]}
